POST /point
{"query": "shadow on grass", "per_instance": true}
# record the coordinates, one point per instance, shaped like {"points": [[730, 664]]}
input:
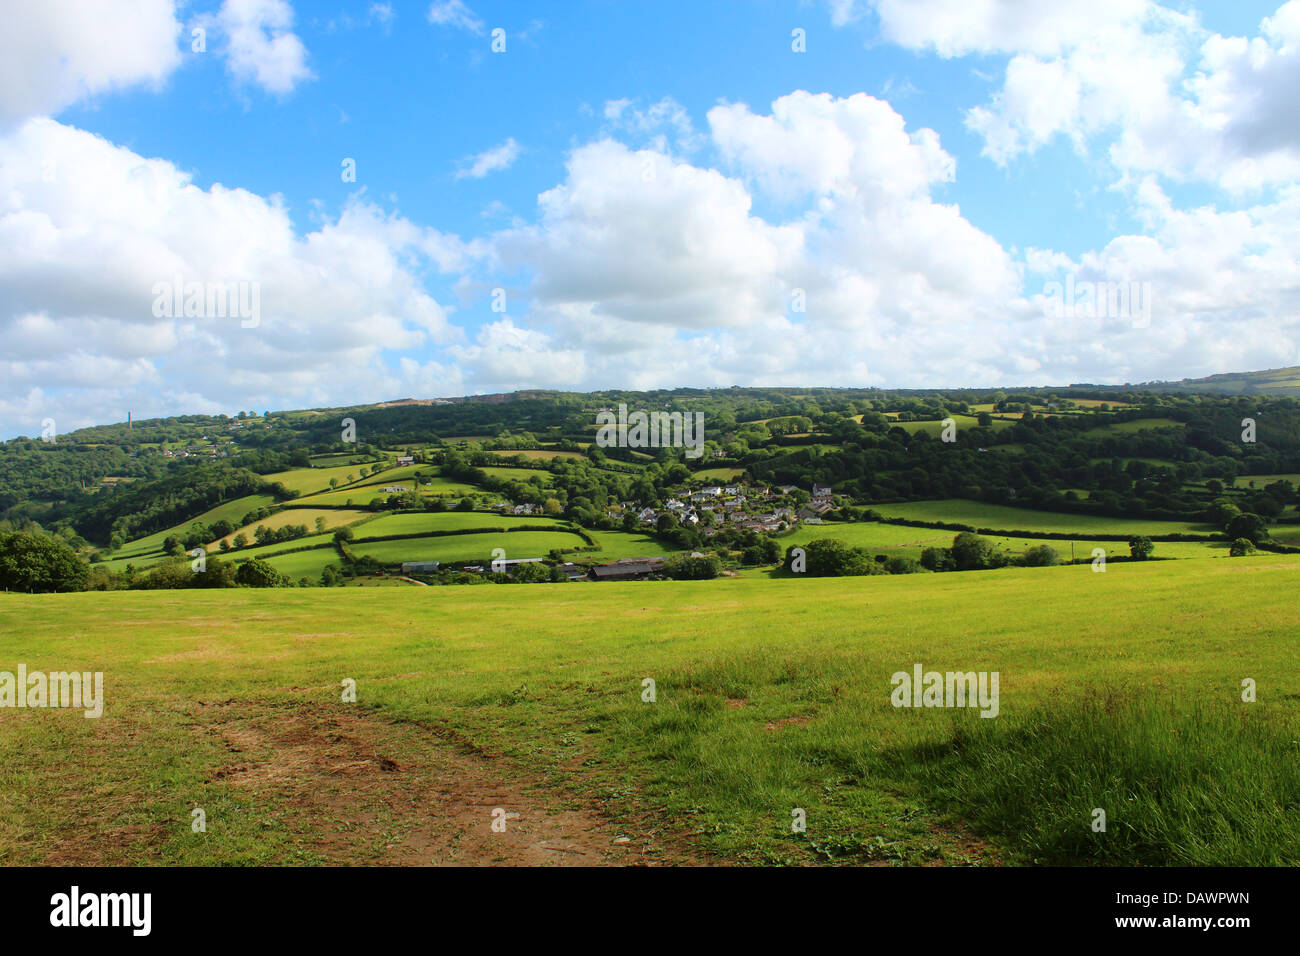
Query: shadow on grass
{"points": [[1180, 784]]}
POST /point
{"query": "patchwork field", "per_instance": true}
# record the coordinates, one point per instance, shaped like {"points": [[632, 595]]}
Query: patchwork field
{"points": [[334, 518], [148, 549], [468, 547], [906, 541], [1119, 691], [1003, 518]]}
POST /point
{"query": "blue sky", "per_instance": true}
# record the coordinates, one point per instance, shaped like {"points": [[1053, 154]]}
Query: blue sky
{"points": [[669, 179]]}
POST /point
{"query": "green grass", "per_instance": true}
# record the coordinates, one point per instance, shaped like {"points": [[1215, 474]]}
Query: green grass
{"points": [[771, 695], [148, 549], [624, 544], [304, 481], [906, 541], [1137, 425], [1262, 481], [718, 474], [1174, 779], [334, 518], [1002, 518], [306, 564], [364, 494], [468, 547], [518, 474], [423, 522], [935, 429]]}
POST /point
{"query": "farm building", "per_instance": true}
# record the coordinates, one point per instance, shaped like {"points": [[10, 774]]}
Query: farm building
{"points": [[627, 569], [409, 566]]}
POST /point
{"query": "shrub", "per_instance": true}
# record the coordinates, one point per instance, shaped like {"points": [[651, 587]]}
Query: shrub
{"points": [[1241, 547]]}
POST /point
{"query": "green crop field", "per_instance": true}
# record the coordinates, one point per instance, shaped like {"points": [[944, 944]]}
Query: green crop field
{"points": [[1003, 518], [1119, 691]]}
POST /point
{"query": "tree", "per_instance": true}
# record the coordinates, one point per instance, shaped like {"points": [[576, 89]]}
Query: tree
{"points": [[343, 534], [215, 574], [39, 563], [937, 559], [1140, 548], [531, 572], [1041, 556], [331, 577], [320, 525], [694, 569], [553, 507], [1247, 525], [1221, 511], [256, 573], [970, 552], [1241, 547], [240, 540]]}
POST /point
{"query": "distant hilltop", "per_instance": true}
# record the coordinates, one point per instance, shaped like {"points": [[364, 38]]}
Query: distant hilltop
{"points": [[1274, 382]]}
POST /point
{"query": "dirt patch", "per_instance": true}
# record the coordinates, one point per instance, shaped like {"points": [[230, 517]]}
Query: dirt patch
{"points": [[787, 722], [446, 802]]}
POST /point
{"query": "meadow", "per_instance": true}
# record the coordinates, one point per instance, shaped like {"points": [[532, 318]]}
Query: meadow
{"points": [[1003, 518], [907, 541], [1120, 691]]}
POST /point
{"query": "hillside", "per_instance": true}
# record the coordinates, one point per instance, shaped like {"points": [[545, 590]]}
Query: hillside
{"points": [[1119, 690]]}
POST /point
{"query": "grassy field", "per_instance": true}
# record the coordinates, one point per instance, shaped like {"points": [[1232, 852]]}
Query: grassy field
{"points": [[423, 522], [1137, 425], [935, 429], [718, 474], [148, 549], [1002, 518], [468, 547], [304, 481], [1262, 481], [364, 494], [334, 518], [906, 541], [305, 564], [1119, 691]]}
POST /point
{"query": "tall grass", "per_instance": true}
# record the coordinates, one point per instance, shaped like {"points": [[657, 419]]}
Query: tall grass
{"points": [[1184, 785]]}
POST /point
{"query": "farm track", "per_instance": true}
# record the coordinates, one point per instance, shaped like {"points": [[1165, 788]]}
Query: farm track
{"points": [[367, 792]]}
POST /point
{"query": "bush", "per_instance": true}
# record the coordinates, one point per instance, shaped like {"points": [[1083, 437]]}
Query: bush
{"points": [[39, 563], [1040, 556], [1140, 548], [1241, 547], [694, 569], [256, 573]]}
